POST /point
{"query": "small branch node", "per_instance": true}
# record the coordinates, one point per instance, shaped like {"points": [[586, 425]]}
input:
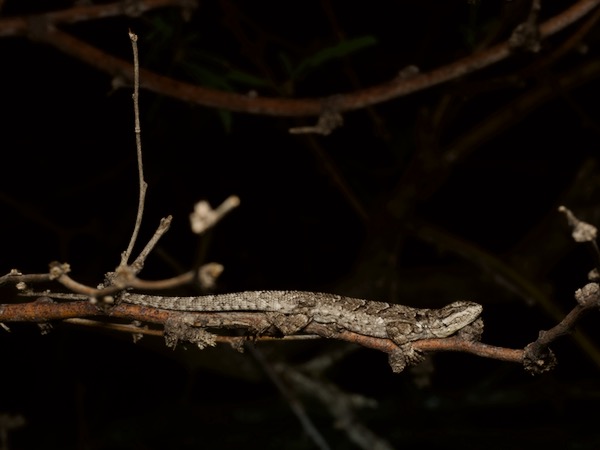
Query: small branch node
{"points": [[589, 293], [329, 119], [58, 269], [538, 359], [527, 36]]}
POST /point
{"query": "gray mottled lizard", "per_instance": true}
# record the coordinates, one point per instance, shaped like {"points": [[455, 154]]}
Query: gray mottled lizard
{"points": [[377, 319], [291, 311]]}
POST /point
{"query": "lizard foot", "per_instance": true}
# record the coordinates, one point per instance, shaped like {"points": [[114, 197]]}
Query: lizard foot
{"points": [[404, 356]]}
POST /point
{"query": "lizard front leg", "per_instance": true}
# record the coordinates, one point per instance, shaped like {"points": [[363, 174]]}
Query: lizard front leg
{"points": [[460, 319], [405, 355], [403, 332]]}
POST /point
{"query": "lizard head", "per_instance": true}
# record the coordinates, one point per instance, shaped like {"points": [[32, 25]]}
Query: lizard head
{"points": [[451, 318], [432, 323]]}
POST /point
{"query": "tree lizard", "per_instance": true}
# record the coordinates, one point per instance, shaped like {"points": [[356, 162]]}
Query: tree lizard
{"points": [[291, 311]]}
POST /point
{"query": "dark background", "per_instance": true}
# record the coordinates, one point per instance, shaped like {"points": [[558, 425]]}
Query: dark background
{"points": [[69, 192]]}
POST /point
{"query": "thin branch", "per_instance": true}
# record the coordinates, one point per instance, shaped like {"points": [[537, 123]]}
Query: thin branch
{"points": [[16, 26], [44, 310], [566, 46], [472, 347], [206, 275], [295, 405], [359, 99], [536, 356], [122, 327], [341, 405], [122, 279], [163, 227], [59, 273], [138, 141], [14, 277]]}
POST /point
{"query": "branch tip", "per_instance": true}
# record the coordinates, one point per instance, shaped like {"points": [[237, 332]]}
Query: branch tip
{"points": [[582, 231], [205, 217]]}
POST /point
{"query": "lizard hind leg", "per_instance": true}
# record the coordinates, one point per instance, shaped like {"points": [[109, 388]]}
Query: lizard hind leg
{"points": [[288, 323]]}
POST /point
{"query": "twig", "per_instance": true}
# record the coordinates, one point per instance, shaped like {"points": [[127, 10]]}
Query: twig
{"points": [[122, 279], [206, 275], [127, 328], [163, 227], [205, 217], [59, 271], [138, 141], [14, 276]]}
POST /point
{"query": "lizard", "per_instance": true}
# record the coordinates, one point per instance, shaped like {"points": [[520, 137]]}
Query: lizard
{"points": [[291, 311]]}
